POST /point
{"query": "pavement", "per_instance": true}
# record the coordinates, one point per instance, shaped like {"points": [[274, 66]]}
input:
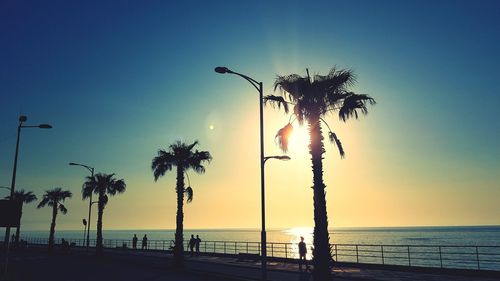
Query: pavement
{"points": [[36, 264]]}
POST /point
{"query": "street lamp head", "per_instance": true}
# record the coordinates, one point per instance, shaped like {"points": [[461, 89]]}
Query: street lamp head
{"points": [[45, 126], [72, 164], [221, 69], [23, 118], [284, 158]]}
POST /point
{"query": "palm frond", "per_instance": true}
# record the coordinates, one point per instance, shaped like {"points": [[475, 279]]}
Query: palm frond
{"points": [[276, 101], [354, 102], [283, 136], [54, 196], [334, 139], [197, 159], [294, 85], [43, 203], [23, 196], [189, 194], [116, 186], [63, 209], [162, 163]]}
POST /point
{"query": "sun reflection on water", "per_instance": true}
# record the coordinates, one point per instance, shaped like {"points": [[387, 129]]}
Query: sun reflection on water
{"points": [[295, 233]]}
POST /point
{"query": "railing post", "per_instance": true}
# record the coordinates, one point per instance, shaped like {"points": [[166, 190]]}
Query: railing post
{"points": [[258, 243], [440, 257], [272, 249], [247, 247], [409, 258], [235, 248], [382, 250], [357, 256], [477, 257], [286, 251], [224, 247], [205, 243], [214, 246], [336, 255]]}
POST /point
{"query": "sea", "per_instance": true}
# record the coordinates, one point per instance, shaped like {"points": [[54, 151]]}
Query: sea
{"points": [[457, 246], [435, 235]]}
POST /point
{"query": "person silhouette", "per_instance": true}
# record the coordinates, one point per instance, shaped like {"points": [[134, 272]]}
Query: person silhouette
{"points": [[145, 242], [302, 253], [192, 242], [134, 242], [197, 243]]}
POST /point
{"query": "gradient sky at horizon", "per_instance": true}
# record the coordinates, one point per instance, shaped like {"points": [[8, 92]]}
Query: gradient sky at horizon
{"points": [[120, 79]]}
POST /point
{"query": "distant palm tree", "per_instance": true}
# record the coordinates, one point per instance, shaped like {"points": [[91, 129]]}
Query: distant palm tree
{"points": [[182, 156], [312, 100], [23, 197], [54, 198], [104, 185]]}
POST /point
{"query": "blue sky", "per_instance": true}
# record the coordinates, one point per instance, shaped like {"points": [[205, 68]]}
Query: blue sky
{"points": [[120, 79]]}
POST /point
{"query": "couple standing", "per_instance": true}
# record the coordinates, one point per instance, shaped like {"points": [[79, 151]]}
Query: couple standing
{"points": [[194, 243]]}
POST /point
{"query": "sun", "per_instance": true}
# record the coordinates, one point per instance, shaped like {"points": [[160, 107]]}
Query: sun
{"points": [[299, 139]]}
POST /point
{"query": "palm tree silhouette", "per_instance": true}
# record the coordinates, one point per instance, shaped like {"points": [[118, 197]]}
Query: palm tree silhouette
{"points": [[104, 185], [54, 198], [312, 100], [184, 158], [23, 197]]}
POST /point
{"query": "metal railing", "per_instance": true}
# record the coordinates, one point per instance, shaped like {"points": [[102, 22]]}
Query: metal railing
{"points": [[438, 256]]}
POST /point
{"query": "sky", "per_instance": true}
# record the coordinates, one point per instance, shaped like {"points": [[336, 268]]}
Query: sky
{"points": [[119, 80]]}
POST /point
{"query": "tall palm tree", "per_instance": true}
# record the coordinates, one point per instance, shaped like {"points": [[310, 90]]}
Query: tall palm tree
{"points": [[54, 198], [312, 100], [182, 156], [23, 197], [104, 185]]}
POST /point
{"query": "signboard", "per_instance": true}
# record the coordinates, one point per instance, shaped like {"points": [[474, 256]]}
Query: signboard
{"points": [[10, 213]]}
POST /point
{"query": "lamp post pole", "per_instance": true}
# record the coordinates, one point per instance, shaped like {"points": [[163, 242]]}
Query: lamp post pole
{"points": [[91, 169], [22, 119], [260, 88]]}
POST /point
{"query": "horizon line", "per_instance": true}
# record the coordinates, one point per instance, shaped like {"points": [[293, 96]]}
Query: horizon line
{"points": [[281, 228]]}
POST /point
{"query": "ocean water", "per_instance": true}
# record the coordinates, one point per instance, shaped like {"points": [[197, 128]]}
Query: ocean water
{"points": [[466, 235], [453, 247]]}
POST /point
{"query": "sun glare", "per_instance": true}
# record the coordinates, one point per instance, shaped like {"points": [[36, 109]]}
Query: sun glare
{"points": [[299, 140]]}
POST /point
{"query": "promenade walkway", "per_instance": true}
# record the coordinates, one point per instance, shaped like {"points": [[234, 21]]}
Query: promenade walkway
{"points": [[281, 271], [35, 264]]}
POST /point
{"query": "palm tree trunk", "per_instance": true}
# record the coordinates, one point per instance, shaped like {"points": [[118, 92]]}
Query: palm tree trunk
{"points": [[52, 227], [179, 237], [321, 239], [18, 229], [100, 207]]}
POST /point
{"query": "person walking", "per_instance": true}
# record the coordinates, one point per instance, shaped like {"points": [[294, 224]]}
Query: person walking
{"points": [[302, 253], [145, 242], [134, 242], [197, 244]]}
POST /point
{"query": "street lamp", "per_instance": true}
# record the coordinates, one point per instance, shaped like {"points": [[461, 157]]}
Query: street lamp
{"points": [[22, 119], [91, 169], [259, 87], [281, 157]]}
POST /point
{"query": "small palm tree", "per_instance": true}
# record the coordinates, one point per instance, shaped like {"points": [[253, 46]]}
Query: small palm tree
{"points": [[54, 198], [312, 101], [23, 197], [182, 156], [104, 185]]}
